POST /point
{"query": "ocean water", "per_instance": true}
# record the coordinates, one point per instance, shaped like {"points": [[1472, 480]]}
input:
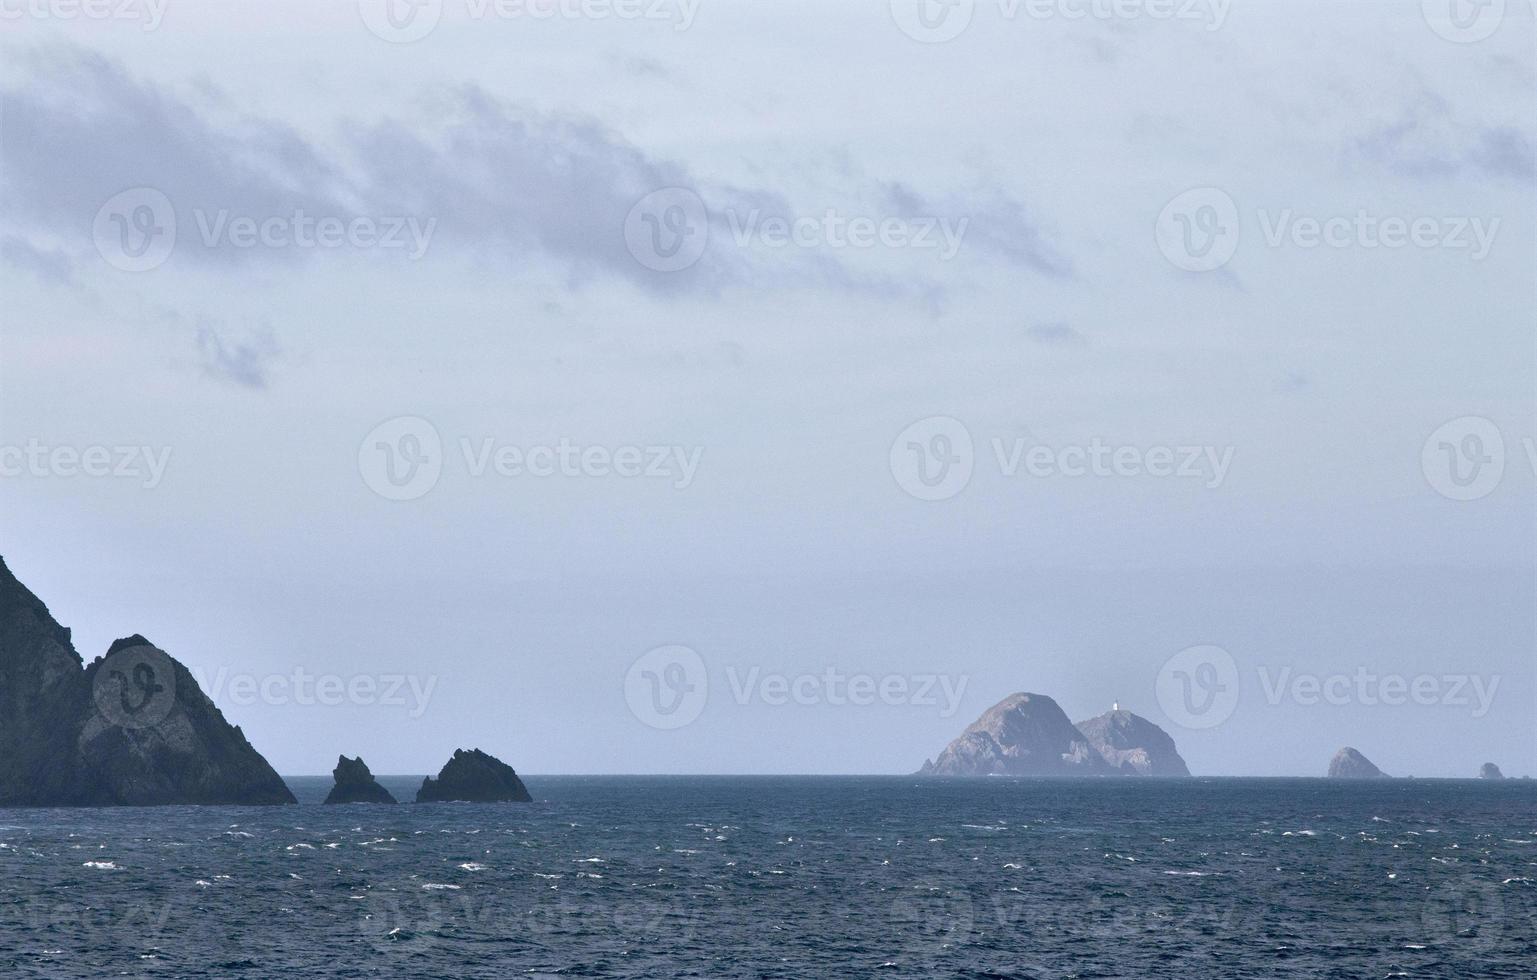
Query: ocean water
{"points": [[791, 877]]}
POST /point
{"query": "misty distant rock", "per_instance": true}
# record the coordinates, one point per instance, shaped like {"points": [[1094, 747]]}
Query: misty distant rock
{"points": [[355, 784], [1350, 764], [1022, 735], [474, 777], [132, 728], [1490, 771], [1132, 745]]}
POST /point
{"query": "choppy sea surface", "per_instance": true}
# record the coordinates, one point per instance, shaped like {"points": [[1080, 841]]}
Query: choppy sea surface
{"points": [[791, 877]]}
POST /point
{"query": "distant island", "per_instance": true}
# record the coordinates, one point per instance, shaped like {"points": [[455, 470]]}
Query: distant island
{"points": [[474, 777], [1030, 735], [355, 784], [1350, 764], [133, 728]]}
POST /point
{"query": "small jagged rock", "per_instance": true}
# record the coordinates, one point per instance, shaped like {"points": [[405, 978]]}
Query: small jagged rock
{"points": [[474, 777], [1133, 745], [355, 784], [1350, 764], [1490, 771], [1022, 735]]}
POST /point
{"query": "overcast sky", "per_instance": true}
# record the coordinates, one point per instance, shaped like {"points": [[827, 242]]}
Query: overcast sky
{"points": [[477, 351]]}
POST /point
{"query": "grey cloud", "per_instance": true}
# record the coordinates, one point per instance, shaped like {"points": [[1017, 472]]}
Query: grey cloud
{"points": [[1056, 334], [1294, 381], [50, 265], [81, 130], [1428, 141], [492, 177], [244, 362], [996, 222], [527, 185]]}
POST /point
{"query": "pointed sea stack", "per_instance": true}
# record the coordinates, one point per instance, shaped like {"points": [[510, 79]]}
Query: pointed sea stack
{"points": [[1022, 735], [1350, 764], [474, 777], [1133, 745], [1490, 771], [355, 784], [133, 728]]}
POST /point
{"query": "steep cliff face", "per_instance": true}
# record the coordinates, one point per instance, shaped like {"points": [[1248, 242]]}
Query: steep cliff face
{"points": [[39, 671], [1022, 735], [1133, 745], [133, 728], [474, 777], [1490, 771], [355, 784], [1350, 764]]}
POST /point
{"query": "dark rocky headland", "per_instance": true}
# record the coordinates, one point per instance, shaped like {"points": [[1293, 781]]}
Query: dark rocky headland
{"points": [[132, 728]]}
